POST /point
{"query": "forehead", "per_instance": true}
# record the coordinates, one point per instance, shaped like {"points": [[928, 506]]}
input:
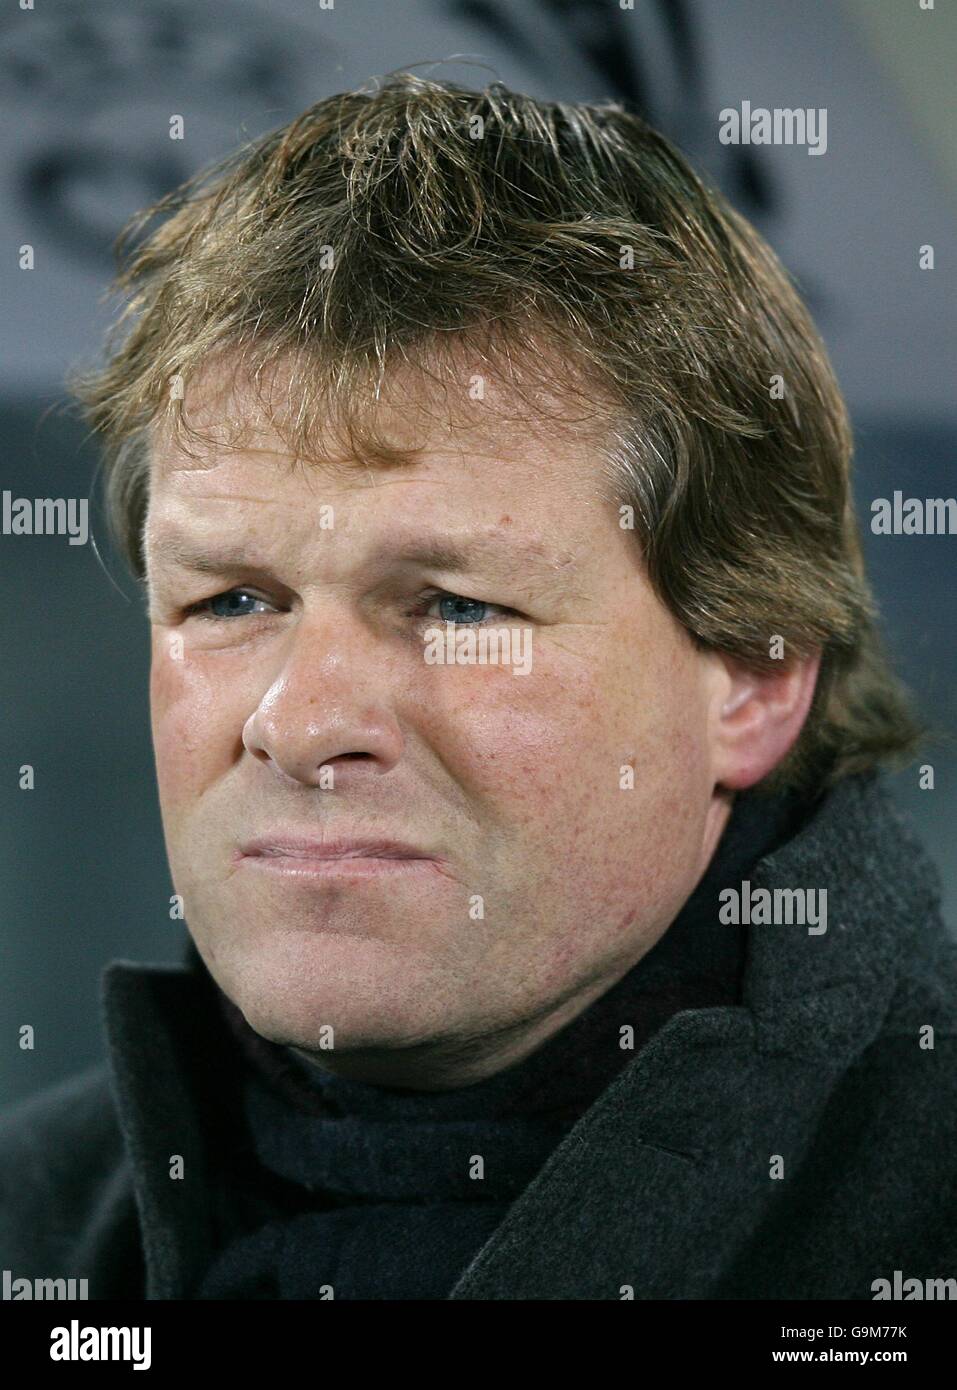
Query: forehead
{"points": [[491, 439]]}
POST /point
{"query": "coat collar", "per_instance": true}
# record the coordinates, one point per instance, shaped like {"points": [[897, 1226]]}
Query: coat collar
{"points": [[667, 1172], [665, 1178]]}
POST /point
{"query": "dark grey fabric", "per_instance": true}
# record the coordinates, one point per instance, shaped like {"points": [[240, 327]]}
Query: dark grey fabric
{"points": [[662, 1188]]}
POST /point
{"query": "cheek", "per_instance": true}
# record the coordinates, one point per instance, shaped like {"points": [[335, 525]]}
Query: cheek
{"points": [[506, 740], [192, 728], [602, 769], [576, 733]]}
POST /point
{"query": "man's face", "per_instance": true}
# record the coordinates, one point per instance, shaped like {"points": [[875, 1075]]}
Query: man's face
{"points": [[563, 816]]}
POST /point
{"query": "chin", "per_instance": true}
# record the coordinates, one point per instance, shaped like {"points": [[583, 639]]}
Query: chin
{"points": [[324, 993]]}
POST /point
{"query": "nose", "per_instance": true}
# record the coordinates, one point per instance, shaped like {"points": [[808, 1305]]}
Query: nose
{"points": [[328, 707]]}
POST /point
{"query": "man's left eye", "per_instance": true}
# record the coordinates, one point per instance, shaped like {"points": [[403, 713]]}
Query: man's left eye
{"points": [[470, 612]]}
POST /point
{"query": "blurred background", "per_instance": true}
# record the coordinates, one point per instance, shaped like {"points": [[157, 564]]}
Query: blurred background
{"points": [[87, 89]]}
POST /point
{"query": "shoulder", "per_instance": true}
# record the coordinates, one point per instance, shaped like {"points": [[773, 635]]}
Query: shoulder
{"points": [[46, 1128], [63, 1174], [911, 1065]]}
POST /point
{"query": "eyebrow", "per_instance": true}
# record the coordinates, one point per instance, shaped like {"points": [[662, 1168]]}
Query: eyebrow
{"points": [[439, 553]]}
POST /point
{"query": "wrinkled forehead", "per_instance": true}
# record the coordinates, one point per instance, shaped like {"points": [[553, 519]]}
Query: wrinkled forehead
{"points": [[465, 463]]}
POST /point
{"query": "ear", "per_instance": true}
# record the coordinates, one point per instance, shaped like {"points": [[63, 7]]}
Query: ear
{"points": [[758, 716]]}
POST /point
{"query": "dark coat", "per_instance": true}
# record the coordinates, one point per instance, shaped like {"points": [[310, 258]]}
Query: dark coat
{"points": [[664, 1185]]}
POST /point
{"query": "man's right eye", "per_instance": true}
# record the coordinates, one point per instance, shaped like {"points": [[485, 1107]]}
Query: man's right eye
{"points": [[228, 604]]}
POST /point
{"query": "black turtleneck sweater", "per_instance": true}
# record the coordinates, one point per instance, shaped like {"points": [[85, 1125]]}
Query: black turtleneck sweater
{"points": [[348, 1190]]}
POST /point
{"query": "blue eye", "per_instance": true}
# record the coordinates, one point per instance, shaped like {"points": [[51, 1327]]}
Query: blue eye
{"points": [[455, 609], [206, 608], [468, 612]]}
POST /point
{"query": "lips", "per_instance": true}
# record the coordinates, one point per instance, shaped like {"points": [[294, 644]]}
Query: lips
{"points": [[301, 847], [305, 860]]}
